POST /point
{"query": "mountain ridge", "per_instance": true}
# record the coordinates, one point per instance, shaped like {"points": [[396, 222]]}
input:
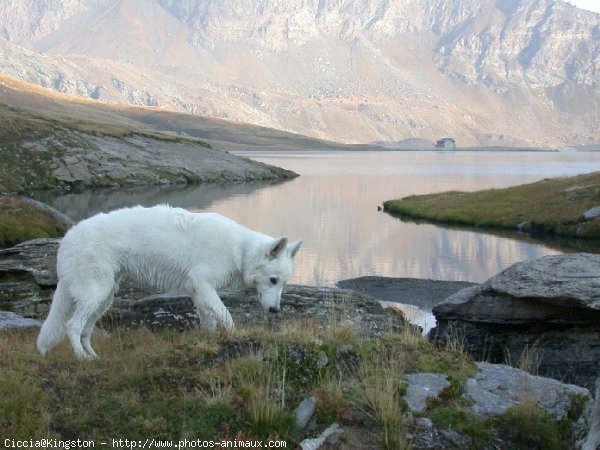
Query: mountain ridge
{"points": [[504, 72]]}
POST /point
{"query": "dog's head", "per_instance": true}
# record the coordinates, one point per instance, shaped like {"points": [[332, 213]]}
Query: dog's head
{"points": [[274, 271]]}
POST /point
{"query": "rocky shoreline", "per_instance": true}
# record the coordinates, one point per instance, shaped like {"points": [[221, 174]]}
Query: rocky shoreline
{"points": [[76, 160], [546, 311], [548, 307], [419, 292], [28, 278]]}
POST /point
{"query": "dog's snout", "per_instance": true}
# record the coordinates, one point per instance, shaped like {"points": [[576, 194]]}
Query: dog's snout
{"points": [[273, 309]]}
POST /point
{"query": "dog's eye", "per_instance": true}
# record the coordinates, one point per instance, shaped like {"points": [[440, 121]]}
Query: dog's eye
{"points": [[273, 280]]}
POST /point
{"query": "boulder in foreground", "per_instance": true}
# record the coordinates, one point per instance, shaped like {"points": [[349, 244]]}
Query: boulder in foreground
{"points": [[548, 309]]}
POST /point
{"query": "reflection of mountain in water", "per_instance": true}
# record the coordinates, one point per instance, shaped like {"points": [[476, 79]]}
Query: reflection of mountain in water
{"points": [[84, 204], [332, 206]]}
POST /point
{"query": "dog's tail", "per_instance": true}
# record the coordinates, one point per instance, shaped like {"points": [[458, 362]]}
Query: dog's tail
{"points": [[54, 328]]}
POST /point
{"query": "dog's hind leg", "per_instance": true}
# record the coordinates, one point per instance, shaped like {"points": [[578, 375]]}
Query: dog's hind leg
{"points": [[210, 308], [86, 335], [88, 310]]}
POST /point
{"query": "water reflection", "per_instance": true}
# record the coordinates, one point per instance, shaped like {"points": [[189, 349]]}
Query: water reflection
{"points": [[332, 206], [80, 205]]}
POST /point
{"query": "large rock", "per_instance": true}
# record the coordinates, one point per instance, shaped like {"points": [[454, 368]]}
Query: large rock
{"points": [[549, 307], [28, 278], [497, 387], [323, 307]]}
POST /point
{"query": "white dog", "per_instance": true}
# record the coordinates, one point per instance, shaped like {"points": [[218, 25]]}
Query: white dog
{"points": [[163, 247]]}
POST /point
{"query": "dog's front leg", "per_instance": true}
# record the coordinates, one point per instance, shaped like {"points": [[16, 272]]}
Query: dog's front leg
{"points": [[210, 308]]}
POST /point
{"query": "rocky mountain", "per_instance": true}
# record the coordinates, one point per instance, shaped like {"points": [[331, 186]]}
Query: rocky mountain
{"points": [[492, 72]]}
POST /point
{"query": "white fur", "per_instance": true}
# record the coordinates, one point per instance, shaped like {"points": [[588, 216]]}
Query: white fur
{"points": [[166, 248]]}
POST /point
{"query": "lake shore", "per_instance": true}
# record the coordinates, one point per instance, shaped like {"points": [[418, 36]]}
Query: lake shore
{"points": [[559, 206], [335, 348], [419, 292]]}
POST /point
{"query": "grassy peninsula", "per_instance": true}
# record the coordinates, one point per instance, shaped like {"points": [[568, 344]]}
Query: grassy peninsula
{"points": [[550, 206]]}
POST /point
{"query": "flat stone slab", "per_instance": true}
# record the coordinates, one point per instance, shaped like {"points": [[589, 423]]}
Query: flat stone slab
{"points": [[553, 279], [422, 387], [323, 307], [10, 319], [413, 291], [497, 387], [559, 289]]}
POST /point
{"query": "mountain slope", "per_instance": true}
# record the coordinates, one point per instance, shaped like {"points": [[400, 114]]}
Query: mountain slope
{"points": [[50, 141], [503, 72]]}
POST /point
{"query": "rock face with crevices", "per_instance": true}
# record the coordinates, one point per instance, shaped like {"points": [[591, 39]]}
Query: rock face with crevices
{"points": [[351, 70], [548, 306]]}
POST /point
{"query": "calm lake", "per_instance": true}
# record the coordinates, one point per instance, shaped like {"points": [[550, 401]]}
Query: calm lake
{"points": [[332, 206]]}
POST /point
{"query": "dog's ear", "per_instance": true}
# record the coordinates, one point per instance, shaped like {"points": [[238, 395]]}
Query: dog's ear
{"points": [[277, 247], [294, 247]]}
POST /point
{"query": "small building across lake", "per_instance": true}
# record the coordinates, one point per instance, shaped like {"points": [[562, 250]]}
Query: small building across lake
{"points": [[446, 143]]}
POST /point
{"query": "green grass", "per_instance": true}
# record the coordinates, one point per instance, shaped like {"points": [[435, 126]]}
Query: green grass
{"points": [[182, 385], [531, 428], [21, 221], [23, 124], [240, 385], [458, 417], [551, 206]]}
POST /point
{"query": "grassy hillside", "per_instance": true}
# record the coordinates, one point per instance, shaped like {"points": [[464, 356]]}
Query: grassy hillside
{"points": [[50, 141], [245, 385], [119, 119], [551, 206]]}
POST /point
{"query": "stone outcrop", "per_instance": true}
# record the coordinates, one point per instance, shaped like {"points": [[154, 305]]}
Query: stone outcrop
{"points": [[497, 387], [490, 393], [548, 308], [28, 278], [322, 307], [82, 160], [422, 387], [10, 319]]}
